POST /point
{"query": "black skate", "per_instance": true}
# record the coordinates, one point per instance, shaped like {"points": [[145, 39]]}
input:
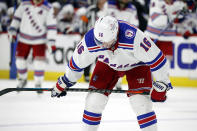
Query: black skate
{"points": [[21, 83], [38, 86], [118, 87]]}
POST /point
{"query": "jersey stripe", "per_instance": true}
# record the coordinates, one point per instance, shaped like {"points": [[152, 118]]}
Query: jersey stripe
{"points": [[73, 66], [96, 48], [29, 37], [127, 23], [158, 31], [125, 46], [51, 27], [158, 62]]}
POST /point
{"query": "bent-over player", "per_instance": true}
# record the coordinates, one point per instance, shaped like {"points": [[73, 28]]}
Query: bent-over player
{"points": [[121, 49]]}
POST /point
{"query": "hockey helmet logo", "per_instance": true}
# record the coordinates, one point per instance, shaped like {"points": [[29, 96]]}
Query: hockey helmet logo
{"points": [[100, 34], [129, 34]]}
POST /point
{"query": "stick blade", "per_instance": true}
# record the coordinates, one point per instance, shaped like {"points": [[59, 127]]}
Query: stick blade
{"points": [[7, 90]]}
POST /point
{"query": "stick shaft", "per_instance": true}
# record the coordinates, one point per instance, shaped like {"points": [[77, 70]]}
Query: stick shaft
{"points": [[7, 90]]}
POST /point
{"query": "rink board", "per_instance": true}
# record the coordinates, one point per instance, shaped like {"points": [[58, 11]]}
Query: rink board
{"points": [[183, 67]]}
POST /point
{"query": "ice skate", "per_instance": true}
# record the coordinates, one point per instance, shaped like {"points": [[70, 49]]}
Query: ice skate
{"points": [[38, 86], [21, 83], [118, 87]]}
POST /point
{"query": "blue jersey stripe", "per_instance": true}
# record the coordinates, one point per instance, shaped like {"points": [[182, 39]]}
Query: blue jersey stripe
{"points": [[155, 60], [73, 66], [148, 123], [159, 66]]}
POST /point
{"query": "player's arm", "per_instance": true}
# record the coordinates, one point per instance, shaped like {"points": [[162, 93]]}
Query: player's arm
{"points": [[15, 24], [51, 25], [145, 50], [80, 59], [157, 16]]}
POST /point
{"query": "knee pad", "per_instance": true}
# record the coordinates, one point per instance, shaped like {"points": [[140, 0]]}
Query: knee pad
{"points": [[141, 104], [96, 102], [21, 63]]}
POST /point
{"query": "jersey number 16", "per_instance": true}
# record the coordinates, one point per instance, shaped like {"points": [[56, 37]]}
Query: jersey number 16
{"points": [[145, 44]]}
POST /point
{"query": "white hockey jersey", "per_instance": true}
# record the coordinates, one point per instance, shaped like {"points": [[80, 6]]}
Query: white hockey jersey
{"points": [[188, 24], [160, 15], [132, 49], [36, 24], [128, 14]]}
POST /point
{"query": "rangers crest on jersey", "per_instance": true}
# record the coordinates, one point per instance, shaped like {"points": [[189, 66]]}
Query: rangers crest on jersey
{"points": [[129, 34]]}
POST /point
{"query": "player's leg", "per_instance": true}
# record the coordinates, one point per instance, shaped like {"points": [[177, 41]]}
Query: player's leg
{"points": [[39, 64], [167, 48], [22, 52], [103, 77], [139, 79]]}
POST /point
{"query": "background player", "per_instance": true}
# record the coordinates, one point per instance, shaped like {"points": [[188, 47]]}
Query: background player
{"points": [[121, 49], [35, 25], [159, 28]]}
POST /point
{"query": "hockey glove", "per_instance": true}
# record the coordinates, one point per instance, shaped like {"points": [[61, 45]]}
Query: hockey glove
{"points": [[12, 35], [51, 46], [60, 88], [187, 34], [158, 92]]}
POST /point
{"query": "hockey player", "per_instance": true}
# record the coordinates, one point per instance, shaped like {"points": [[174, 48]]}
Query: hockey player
{"points": [[35, 25], [159, 28], [187, 24], [65, 18], [121, 48], [122, 10]]}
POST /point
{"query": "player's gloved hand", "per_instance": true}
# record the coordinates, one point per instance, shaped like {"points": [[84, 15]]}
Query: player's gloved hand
{"points": [[60, 88], [12, 35], [187, 34], [158, 92], [51, 46]]}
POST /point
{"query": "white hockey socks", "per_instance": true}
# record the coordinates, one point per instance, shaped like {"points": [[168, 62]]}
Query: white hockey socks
{"points": [[146, 117], [39, 71], [95, 104], [21, 65]]}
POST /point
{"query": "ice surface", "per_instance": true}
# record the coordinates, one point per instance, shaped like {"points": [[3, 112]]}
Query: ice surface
{"points": [[28, 111]]}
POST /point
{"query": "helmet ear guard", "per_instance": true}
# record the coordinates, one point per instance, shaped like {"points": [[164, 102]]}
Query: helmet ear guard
{"points": [[105, 29]]}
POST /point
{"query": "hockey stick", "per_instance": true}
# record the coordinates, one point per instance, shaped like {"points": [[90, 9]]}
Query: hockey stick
{"points": [[184, 12], [7, 90]]}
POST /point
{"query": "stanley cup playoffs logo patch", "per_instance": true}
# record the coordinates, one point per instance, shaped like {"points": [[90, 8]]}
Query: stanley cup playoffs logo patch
{"points": [[129, 34]]}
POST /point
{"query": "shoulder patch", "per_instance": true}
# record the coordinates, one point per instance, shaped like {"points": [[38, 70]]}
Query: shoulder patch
{"points": [[129, 33]]}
